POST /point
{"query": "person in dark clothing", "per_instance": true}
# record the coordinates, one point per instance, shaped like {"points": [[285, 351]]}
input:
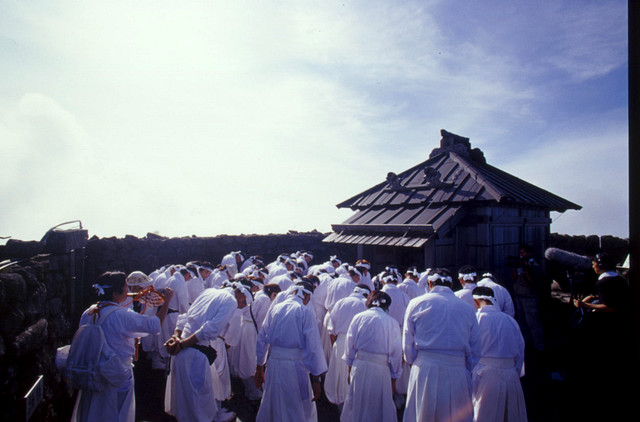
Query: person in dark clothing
{"points": [[607, 340]]}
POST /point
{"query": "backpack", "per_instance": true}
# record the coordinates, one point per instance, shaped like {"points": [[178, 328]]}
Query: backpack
{"points": [[89, 366]]}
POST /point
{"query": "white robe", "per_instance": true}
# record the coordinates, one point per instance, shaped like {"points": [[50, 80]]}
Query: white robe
{"points": [[399, 302], [502, 295], [282, 280], [335, 383], [466, 293], [337, 288], [411, 288], [217, 279], [277, 269], [180, 303], [441, 341], [231, 263], [290, 335], [317, 301], [195, 286], [113, 403], [189, 394], [242, 356], [497, 392], [373, 351]]}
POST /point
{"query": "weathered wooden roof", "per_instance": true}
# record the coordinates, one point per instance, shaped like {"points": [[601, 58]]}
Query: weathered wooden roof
{"points": [[428, 197], [472, 182]]}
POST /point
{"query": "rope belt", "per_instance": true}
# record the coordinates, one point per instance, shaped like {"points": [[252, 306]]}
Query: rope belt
{"points": [[379, 358], [441, 358], [503, 363]]}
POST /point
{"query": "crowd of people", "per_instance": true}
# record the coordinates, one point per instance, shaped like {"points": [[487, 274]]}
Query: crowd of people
{"points": [[292, 330]]}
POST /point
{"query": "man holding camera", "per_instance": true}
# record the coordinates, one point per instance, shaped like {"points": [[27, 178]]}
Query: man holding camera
{"points": [[527, 280]]}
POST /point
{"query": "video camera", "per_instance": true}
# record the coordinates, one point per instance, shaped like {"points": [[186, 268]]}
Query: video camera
{"points": [[518, 262]]}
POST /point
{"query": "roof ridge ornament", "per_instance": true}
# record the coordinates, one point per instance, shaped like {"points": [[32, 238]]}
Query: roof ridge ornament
{"points": [[450, 142], [395, 182]]}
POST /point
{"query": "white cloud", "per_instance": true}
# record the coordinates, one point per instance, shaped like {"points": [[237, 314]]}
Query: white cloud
{"points": [[230, 117]]}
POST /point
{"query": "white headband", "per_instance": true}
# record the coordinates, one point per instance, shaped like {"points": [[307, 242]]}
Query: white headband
{"points": [[468, 276], [361, 290], [243, 289], [388, 277], [437, 276], [484, 297], [363, 264], [299, 290], [100, 289]]}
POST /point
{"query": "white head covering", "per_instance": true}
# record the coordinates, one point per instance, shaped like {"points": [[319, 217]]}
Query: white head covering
{"points": [[138, 278]]}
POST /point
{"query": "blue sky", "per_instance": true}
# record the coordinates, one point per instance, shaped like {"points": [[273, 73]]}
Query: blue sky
{"points": [[237, 117]]}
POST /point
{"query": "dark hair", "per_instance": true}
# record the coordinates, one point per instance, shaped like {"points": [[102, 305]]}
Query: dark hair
{"points": [[244, 281], [466, 269], [444, 273], [383, 300], [389, 274], [364, 286], [269, 289], [306, 284], [526, 248], [207, 265], [353, 271], [312, 279], [110, 282], [483, 291], [605, 261]]}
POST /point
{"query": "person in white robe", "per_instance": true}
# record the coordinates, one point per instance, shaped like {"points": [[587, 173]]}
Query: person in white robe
{"points": [[253, 260], [399, 302], [497, 392], [373, 353], [468, 278], [189, 391], [410, 283], [121, 327], [242, 356], [195, 286], [303, 260], [441, 342], [262, 302], [289, 339], [179, 305], [161, 282], [364, 267], [233, 261], [282, 265], [502, 296], [423, 281], [338, 288], [219, 276], [284, 280], [137, 281], [318, 303], [150, 342], [335, 383]]}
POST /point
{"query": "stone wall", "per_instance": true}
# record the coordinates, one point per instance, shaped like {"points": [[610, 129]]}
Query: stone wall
{"points": [[37, 315]]}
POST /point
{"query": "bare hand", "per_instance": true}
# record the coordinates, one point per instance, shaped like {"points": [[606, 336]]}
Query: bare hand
{"points": [[173, 346], [258, 377], [168, 294], [317, 390]]}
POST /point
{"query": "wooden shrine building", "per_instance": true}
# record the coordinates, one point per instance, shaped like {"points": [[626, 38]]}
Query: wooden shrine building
{"points": [[450, 210]]}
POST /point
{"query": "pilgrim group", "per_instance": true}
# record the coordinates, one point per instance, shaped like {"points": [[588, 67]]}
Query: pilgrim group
{"points": [[292, 331]]}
